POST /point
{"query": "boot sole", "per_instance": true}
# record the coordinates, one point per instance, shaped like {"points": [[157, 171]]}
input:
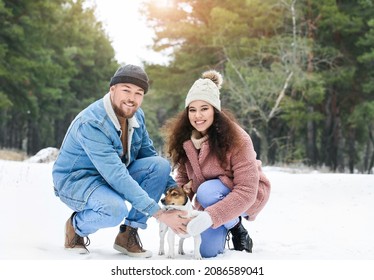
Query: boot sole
{"points": [[146, 254], [80, 251]]}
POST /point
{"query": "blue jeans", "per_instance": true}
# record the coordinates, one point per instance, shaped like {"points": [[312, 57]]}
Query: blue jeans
{"points": [[106, 207], [213, 240]]}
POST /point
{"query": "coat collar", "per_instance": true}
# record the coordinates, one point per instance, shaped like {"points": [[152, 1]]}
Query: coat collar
{"points": [[195, 158]]}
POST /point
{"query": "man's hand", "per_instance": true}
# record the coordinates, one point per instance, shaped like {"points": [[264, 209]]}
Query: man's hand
{"points": [[174, 219]]}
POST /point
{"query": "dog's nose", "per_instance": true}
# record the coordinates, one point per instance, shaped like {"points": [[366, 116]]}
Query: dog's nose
{"points": [[163, 201]]}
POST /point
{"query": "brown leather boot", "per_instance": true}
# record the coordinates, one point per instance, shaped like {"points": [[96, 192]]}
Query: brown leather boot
{"points": [[73, 241], [128, 243]]}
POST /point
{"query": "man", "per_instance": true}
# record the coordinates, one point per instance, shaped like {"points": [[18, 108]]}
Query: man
{"points": [[107, 158]]}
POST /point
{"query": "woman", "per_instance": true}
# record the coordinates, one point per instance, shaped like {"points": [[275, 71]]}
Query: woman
{"points": [[206, 145]]}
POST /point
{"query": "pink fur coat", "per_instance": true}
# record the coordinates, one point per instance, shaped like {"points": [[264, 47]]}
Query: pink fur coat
{"points": [[250, 189]]}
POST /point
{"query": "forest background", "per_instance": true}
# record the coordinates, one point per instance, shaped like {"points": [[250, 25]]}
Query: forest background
{"points": [[298, 74]]}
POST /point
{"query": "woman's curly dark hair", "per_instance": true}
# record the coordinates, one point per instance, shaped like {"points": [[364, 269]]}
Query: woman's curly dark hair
{"points": [[222, 135]]}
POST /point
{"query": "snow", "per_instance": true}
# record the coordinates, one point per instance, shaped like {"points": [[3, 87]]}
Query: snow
{"points": [[315, 225], [44, 155]]}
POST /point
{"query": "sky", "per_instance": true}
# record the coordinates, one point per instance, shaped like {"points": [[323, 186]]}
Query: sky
{"points": [[316, 225], [131, 38]]}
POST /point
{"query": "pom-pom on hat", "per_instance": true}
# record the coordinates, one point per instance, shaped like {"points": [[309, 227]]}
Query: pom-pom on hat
{"points": [[131, 74], [206, 89]]}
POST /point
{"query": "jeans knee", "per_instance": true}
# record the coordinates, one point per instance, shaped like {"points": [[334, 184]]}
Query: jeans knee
{"points": [[213, 242], [116, 213], [208, 252], [163, 166], [210, 192]]}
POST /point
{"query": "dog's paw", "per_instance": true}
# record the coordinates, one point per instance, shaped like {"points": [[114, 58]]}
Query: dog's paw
{"points": [[170, 257], [198, 257], [161, 253]]}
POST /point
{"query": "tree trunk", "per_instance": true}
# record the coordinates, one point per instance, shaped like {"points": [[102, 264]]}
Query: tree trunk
{"points": [[312, 152], [351, 149]]}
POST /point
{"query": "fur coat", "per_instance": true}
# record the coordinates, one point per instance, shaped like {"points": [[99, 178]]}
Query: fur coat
{"points": [[250, 189]]}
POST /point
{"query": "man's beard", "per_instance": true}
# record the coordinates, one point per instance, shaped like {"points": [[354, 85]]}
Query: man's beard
{"points": [[121, 113]]}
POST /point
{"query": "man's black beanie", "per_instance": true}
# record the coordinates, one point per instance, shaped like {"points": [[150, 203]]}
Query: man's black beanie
{"points": [[131, 74]]}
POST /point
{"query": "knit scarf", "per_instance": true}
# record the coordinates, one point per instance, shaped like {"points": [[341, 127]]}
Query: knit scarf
{"points": [[197, 139]]}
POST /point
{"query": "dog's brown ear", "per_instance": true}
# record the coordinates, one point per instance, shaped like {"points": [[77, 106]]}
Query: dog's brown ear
{"points": [[187, 187]]}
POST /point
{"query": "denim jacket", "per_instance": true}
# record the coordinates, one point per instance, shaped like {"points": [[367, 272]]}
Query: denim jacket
{"points": [[91, 156]]}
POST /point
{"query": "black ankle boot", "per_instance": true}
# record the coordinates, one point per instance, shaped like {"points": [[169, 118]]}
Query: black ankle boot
{"points": [[240, 238]]}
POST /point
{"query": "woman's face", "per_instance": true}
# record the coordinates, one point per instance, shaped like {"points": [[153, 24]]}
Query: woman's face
{"points": [[201, 115]]}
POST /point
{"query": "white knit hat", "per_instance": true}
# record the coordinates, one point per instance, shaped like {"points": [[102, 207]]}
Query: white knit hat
{"points": [[206, 89]]}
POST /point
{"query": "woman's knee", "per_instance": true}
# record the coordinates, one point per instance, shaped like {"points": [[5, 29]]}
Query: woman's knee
{"points": [[213, 242], [210, 252], [210, 192]]}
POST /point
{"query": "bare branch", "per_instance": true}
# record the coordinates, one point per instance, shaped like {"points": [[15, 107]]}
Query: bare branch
{"points": [[280, 97]]}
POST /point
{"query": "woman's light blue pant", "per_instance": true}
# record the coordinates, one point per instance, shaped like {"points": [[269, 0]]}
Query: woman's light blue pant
{"points": [[213, 240], [106, 207]]}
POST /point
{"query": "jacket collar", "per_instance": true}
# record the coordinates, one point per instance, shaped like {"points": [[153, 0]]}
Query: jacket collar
{"points": [[132, 122]]}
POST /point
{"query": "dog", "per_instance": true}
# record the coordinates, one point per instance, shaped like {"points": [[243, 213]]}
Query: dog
{"points": [[177, 198]]}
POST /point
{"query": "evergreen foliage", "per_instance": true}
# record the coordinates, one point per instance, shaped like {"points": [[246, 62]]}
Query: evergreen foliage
{"points": [[298, 74], [55, 60]]}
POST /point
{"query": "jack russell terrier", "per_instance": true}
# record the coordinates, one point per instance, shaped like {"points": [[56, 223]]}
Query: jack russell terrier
{"points": [[177, 198]]}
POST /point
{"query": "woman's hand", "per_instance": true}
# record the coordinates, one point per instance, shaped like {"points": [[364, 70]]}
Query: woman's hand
{"points": [[200, 223]]}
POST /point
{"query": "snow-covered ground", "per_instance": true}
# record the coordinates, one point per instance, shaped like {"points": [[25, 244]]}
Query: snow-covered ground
{"points": [[316, 225]]}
